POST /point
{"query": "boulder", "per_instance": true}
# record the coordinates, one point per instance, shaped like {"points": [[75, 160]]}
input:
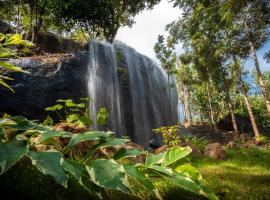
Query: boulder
{"points": [[5, 28], [52, 43], [215, 151], [232, 145]]}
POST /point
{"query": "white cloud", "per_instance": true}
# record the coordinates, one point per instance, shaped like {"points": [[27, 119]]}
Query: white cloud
{"points": [[149, 24]]}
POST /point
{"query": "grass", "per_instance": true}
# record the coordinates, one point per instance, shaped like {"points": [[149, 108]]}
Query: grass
{"points": [[245, 175]]}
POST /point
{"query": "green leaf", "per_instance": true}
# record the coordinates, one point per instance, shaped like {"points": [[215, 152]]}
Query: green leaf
{"points": [[189, 170], [6, 122], [11, 152], [102, 116], [108, 174], [72, 104], [51, 134], [54, 108], [139, 176], [79, 172], [2, 82], [22, 123], [72, 118], [152, 159], [174, 154], [123, 153], [185, 182], [77, 138], [12, 67], [159, 169], [49, 163], [16, 39]]}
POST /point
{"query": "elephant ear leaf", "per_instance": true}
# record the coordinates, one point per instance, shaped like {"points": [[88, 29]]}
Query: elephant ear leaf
{"points": [[49, 163], [108, 174], [11, 152], [174, 154], [139, 176]]}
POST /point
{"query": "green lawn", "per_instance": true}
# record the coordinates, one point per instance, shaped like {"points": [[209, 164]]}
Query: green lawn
{"points": [[245, 175]]}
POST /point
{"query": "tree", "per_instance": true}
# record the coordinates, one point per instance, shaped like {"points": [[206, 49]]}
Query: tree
{"points": [[97, 18]]}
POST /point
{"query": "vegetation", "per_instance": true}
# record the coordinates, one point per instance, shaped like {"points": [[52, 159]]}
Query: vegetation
{"points": [[81, 20], [245, 175], [5, 52], [218, 38], [44, 146]]}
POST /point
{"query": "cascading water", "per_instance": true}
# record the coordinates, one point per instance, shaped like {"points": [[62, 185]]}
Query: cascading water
{"points": [[133, 89], [103, 85]]}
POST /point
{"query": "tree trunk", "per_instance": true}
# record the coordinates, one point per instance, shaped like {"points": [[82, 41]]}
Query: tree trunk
{"points": [[18, 17], [189, 107], [234, 123], [169, 90], [250, 112], [258, 70], [210, 106]]}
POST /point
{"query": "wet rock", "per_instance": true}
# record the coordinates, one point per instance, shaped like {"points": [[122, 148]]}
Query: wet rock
{"points": [[215, 151], [232, 145]]}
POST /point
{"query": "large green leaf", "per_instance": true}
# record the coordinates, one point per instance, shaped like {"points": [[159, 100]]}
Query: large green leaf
{"points": [[22, 123], [88, 136], [123, 153], [6, 122], [108, 174], [153, 159], [11, 152], [185, 182], [174, 154], [47, 135], [16, 39], [188, 170], [54, 108], [139, 176], [49, 163], [79, 172]]}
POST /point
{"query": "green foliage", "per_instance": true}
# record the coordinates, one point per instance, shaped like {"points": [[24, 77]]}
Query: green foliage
{"points": [[77, 113], [199, 142], [5, 52], [91, 172], [102, 116], [169, 135], [48, 121]]}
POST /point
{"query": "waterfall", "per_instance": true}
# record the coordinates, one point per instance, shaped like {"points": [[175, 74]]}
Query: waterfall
{"points": [[133, 89], [103, 85]]}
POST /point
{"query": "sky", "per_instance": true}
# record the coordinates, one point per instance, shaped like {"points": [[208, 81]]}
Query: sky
{"points": [[150, 23]]}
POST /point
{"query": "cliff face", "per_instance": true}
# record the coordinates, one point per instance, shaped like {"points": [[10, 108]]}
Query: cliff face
{"points": [[51, 77]]}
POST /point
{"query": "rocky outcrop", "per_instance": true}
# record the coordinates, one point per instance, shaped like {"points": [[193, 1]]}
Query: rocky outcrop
{"points": [[51, 77]]}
